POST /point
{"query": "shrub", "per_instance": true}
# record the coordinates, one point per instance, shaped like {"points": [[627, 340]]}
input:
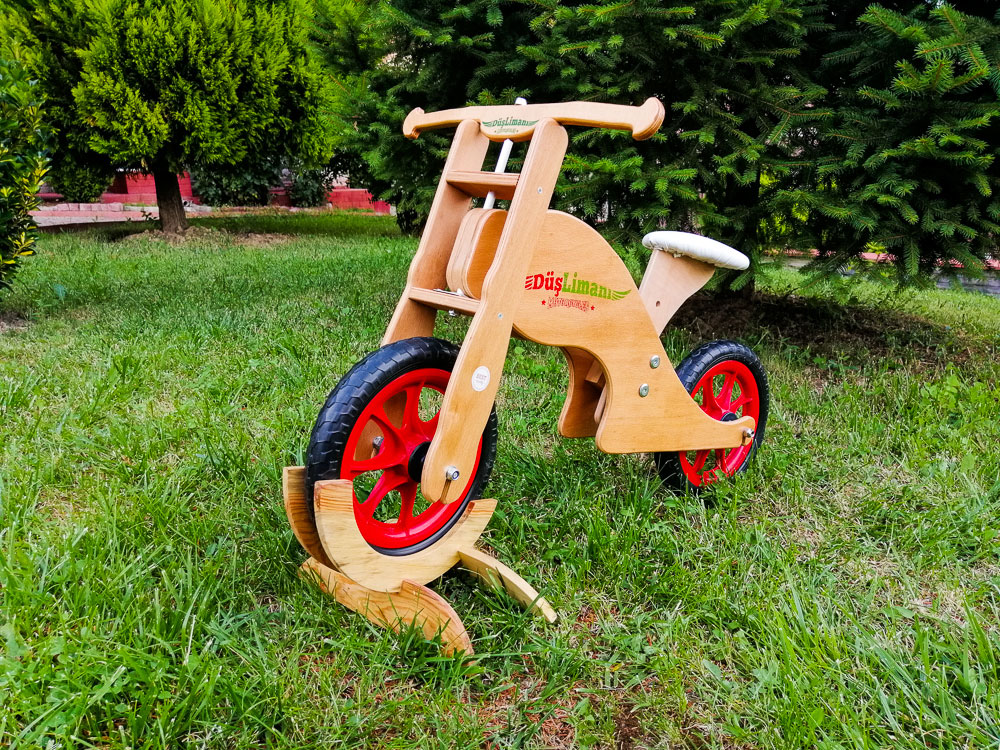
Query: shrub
{"points": [[79, 181], [310, 187], [246, 184], [22, 166]]}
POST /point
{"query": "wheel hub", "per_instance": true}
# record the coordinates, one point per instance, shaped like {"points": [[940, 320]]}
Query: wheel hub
{"points": [[415, 466]]}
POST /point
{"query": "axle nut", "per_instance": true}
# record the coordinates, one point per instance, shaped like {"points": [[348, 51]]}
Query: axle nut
{"points": [[451, 473]]}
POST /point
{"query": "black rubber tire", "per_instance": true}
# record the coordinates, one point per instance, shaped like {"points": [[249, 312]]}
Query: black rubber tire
{"points": [[345, 403], [691, 370]]}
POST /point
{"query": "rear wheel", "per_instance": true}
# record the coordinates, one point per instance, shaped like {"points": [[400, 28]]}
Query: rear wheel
{"points": [[727, 381], [375, 429]]}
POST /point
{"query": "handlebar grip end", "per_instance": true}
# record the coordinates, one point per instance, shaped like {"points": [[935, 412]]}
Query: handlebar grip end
{"points": [[652, 109], [410, 123]]}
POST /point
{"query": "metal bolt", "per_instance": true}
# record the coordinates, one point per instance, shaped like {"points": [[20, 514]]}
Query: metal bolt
{"points": [[377, 442], [749, 434], [451, 473], [499, 315], [644, 390], [539, 191], [654, 361]]}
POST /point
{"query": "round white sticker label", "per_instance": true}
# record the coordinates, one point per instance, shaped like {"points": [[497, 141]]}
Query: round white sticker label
{"points": [[481, 378]]}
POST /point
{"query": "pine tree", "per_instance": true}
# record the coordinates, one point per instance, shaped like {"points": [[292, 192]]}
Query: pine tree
{"points": [[909, 163], [162, 85], [739, 103], [727, 70], [389, 57]]}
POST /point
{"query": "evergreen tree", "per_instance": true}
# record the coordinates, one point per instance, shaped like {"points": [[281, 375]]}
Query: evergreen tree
{"points": [[739, 104], [162, 85], [909, 163], [727, 70], [389, 57]]}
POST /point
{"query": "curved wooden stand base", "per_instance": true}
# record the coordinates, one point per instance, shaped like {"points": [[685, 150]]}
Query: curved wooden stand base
{"points": [[412, 604], [392, 593]]}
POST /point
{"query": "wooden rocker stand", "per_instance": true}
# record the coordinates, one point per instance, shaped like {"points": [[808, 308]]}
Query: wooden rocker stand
{"points": [[527, 271], [399, 597]]}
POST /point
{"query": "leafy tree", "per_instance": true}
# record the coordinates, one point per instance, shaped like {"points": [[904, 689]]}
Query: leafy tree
{"points": [[163, 85], [81, 178], [909, 164], [22, 165]]}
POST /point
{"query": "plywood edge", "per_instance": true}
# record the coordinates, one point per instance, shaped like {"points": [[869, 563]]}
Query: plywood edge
{"points": [[495, 574], [302, 521]]}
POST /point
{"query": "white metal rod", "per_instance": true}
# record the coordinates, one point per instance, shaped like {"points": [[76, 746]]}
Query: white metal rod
{"points": [[502, 161]]}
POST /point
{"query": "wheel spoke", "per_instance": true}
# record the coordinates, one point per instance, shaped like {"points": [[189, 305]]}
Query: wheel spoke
{"points": [[429, 427], [709, 403], [743, 400], [390, 480], [385, 424], [411, 411], [726, 394], [391, 452], [699, 460], [388, 456], [720, 460], [408, 496]]}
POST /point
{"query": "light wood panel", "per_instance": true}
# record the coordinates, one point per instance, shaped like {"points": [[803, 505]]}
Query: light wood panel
{"points": [[518, 122], [667, 282], [480, 184], [494, 573], [578, 418], [354, 557], [429, 265], [412, 605], [609, 320], [469, 397], [475, 250], [444, 300]]}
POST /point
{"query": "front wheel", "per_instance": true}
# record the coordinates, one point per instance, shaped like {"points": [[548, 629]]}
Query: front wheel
{"points": [[375, 429], [727, 381]]}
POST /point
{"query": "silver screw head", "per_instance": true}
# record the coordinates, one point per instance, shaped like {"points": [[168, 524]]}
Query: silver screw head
{"points": [[644, 390], [377, 442], [654, 361], [451, 473]]}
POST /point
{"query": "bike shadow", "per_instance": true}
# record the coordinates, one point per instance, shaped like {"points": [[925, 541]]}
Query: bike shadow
{"points": [[852, 334]]}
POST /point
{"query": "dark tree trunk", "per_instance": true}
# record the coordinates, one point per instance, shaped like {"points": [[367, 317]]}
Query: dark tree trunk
{"points": [[168, 198]]}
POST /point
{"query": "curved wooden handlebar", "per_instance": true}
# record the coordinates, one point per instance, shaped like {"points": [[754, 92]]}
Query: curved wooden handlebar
{"points": [[517, 122]]}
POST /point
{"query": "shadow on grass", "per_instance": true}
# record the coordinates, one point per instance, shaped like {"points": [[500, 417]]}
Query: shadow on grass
{"points": [[261, 222], [855, 333], [319, 223]]}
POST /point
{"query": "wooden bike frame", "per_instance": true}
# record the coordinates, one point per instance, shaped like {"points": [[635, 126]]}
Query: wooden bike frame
{"points": [[552, 279]]}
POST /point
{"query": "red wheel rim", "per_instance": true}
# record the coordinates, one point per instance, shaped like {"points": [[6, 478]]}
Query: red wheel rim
{"points": [[388, 507], [727, 391]]}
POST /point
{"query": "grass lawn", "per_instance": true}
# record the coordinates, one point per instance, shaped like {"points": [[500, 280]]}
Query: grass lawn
{"points": [[845, 592]]}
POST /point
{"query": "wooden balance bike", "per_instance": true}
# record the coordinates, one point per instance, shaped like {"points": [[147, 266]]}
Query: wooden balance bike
{"points": [[391, 496]]}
